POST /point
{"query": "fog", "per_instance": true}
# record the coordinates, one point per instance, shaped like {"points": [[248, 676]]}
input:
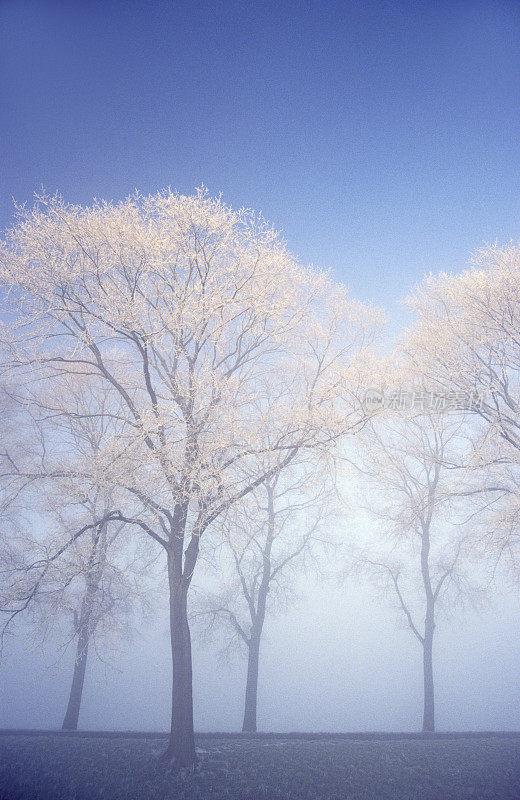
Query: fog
{"points": [[337, 660], [260, 400]]}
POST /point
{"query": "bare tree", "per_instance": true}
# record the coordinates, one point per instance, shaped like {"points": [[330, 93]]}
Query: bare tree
{"points": [[421, 554], [106, 598], [97, 581], [106, 595], [266, 542], [213, 345]]}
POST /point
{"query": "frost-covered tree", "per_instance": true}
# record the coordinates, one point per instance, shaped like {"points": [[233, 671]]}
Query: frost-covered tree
{"points": [[465, 340], [213, 345]]}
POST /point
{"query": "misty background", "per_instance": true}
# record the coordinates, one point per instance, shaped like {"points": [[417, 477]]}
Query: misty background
{"points": [[339, 659], [394, 155]]}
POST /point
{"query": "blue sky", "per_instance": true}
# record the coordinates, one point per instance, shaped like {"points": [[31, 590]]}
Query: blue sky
{"points": [[381, 137]]}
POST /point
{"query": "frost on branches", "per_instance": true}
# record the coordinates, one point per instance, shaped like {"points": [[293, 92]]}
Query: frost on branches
{"points": [[466, 337], [211, 345]]}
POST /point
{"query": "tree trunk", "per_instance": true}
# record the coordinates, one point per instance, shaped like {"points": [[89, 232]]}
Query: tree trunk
{"points": [[429, 698], [181, 747], [429, 627], [84, 628], [249, 723], [70, 721], [257, 620]]}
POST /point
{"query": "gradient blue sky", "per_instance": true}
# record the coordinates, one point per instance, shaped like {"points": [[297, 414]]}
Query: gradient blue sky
{"points": [[381, 137]]}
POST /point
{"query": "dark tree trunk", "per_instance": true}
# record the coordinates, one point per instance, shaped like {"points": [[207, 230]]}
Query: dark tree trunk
{"points": [[181, 747], [249, 723], [85, 627], [70, 721], [257, 621], [429, 697]]}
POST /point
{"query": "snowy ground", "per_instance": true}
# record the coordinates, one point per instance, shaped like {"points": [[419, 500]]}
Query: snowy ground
{"points": [[67, 768]]}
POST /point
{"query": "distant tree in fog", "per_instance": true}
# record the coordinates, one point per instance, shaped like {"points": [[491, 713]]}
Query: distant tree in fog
{"points": [[112, 579], [265, 544], [98, 579], [421, 556]]}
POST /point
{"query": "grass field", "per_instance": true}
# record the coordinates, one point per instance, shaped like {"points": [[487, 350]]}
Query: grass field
{"points": [[125, 768]]}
